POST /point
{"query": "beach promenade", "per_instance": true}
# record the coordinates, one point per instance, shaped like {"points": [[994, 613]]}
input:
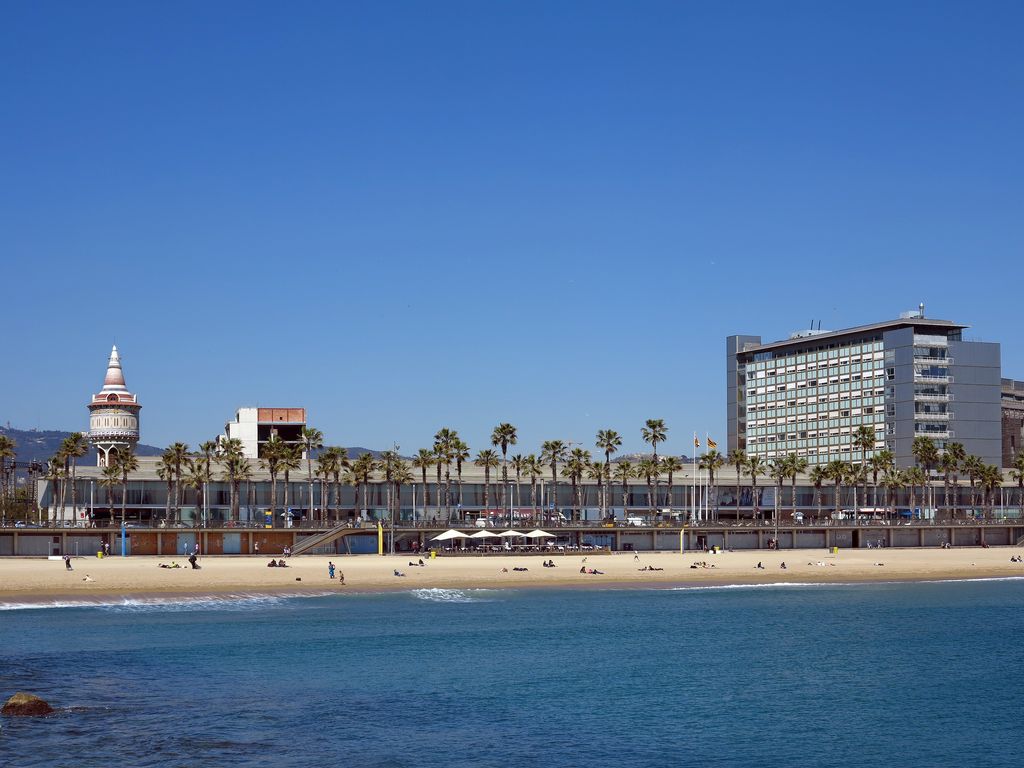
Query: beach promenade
{"points": [[42, 580]]}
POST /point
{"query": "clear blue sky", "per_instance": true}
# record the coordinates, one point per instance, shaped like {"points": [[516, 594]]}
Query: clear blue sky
{"points": [[408, 215]]}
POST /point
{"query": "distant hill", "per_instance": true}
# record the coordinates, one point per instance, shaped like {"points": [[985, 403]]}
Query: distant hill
{"points": [[40, 445]]}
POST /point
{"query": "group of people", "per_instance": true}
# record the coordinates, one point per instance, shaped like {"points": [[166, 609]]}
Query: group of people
{"points": [[702, 564], [277, 563], [591, 571], [1016, 559], [549, 564], [330, 573], [650, 568]]}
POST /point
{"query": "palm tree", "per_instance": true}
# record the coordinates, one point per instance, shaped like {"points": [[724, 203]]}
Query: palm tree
{"points": [[126, 462], [533, 468], [325, 466], [670, 465], [55, 475], [424, 459], [796, 465], [74, 448], [461, 455], [165, 471], [649, 469], [362, 468], [518, 463], [915, 476], [291, 458], [596, 472], [401, 474], [973, 467], [552, 453], [487, 459], [712, 461], [654, 431], [623, 472], [818, 476], [893, 481], [444, 447], [778, 470], [836, 471], [311, 440], [504, 435], [991, 479], [864, 441], [109, 477], [178, 455], [881, 462], [340, 464], [927, 456], [958, 455], [755, 466], [575, 468], [608, 442], [237, 470], [1017, 474], [738, 458], [273, 452], [388, 464], [198, 476]]}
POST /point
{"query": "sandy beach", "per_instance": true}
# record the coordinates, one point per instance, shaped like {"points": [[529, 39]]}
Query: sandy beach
{"points": [[34, 579]]}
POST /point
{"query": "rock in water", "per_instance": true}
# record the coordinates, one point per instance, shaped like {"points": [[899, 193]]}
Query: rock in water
{"points": [[25, 705]]}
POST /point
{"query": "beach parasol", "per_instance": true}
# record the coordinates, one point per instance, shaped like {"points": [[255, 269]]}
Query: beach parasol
{"points": [[509, 534], [449, 535], [539, 534], [483, 535]]}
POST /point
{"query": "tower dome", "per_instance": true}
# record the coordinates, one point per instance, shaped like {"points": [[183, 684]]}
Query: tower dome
{"points": [[113, 414]]}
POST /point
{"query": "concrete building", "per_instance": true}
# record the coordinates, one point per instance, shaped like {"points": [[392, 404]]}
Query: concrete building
{"points": [[254, 426], [904, 378], [113, 414], [1012, 402]]}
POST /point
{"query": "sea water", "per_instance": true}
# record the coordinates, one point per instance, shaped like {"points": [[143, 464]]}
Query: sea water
{"points": [[925, 674]]}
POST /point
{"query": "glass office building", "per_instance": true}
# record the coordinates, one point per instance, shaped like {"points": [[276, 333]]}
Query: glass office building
{"points": [[903, 378]]}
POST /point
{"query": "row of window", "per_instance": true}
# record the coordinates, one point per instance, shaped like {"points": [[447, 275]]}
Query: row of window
{"points": [[868, 386], [840, 353]]}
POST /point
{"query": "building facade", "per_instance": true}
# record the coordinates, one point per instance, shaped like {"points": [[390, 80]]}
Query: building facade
{"points": [[1012, 402], [254, 426], [113, 414], [903, 378]]}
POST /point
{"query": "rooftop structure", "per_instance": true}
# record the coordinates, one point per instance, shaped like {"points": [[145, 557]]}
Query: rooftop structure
{"points": [[254, 426], [904, 378], [113, 414]]}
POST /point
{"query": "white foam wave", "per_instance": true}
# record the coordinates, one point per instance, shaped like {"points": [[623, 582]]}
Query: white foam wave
{"points": [[227, 602], [786, 584], [437, 595], [773, 585]]}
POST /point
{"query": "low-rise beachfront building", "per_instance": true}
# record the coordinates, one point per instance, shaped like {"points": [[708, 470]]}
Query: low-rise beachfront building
{"points": [[914, 376], [691, 498]]}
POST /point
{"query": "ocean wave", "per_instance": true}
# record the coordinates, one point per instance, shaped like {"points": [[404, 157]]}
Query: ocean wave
{"points": [[772, 585], [438, 595], [177, 603]]}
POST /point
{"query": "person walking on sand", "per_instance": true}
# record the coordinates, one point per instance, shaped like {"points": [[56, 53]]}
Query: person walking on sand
{"points": [[330, 569], [106, 549], [67, 562], [341, 578], [256, 547]]}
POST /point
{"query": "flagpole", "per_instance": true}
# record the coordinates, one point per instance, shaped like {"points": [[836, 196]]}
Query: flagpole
{"points": [[693, 481]]}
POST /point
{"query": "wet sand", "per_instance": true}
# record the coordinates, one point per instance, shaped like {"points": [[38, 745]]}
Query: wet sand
{"points": [[33, 579]]}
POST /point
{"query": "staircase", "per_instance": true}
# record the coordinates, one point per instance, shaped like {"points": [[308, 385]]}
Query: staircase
{"points": [[312, 542]]}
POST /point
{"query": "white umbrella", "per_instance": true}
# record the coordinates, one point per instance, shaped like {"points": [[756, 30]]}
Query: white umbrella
{"points": [[508, 534], [483, 535], [450, 534], [539, 534]]}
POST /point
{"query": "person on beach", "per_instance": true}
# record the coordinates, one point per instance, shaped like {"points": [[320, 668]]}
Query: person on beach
{"points": [[106, 549], [272, 563], [67, 562], [341, 578], [330, 569], [193, 563], [398, 573], [256, 547]]}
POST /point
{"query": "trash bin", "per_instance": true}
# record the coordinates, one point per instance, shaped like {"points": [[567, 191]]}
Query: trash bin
{"points": [[100, 554], [835, 550]]}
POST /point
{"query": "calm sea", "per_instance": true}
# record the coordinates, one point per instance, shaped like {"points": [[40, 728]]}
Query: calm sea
{"points": [[881, 675]]}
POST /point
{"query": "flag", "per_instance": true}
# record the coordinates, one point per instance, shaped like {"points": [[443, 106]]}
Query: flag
{"points": [[712, 443], [696, 442]]}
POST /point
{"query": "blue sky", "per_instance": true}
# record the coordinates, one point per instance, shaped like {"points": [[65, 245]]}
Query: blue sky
{"points": [[407, 215]]}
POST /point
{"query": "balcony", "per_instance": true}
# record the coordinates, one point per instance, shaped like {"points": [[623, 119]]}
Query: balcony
{"points": [[931, 378], [932, 416], [923, 397], [933, 360], [945, 434]]}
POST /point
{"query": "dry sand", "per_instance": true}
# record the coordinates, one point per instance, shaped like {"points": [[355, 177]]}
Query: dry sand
{"points": [[33, 580]]}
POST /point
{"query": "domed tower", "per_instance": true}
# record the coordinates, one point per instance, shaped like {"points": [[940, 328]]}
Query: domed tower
{"points": [[113, 414]]}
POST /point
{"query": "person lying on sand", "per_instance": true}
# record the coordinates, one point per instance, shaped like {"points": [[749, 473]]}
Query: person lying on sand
{"points": [[88, 578], [398, 572], [282, 564], [595, 572], [272, 563]]}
